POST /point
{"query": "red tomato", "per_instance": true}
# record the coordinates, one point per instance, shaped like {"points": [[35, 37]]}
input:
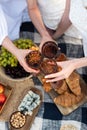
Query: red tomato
{"points": [[1, 89], [2, 99]]}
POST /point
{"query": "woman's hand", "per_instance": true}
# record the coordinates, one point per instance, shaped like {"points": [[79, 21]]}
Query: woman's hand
{"points": [[67, 68], [21, 54], [45, 39]]}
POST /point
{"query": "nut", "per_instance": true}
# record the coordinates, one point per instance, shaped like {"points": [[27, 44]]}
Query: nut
{"points": [[17, 120]]}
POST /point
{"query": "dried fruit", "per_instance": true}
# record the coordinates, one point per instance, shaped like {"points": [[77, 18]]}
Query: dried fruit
{"points": [[34, 59]]}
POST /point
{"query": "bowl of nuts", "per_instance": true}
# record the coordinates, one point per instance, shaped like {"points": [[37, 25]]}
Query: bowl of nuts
{"points": [[17, 120]]}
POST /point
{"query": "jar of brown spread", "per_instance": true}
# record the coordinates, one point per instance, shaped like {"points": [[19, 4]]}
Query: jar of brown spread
{"points": [[48, 66]]}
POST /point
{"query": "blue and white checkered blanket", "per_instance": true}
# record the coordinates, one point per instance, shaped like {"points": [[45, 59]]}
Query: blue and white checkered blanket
{"points": [[49, 117]]}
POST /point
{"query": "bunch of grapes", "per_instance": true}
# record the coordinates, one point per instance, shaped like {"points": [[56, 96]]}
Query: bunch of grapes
{"points": [[8, 59]]}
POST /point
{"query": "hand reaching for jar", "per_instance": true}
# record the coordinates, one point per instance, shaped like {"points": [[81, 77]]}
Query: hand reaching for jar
{"points": [[67, 68]]}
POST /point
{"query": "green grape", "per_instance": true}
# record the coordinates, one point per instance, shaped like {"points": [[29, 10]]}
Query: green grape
{"points": [[6, 58], [8, 62], [0, 58], [4, 64]]}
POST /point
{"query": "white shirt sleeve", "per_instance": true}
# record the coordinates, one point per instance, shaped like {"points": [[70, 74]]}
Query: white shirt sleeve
{"points": [[3, 26], [78, 17]]}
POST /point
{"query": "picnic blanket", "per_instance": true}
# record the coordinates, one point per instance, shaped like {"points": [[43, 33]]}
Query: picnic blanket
{"points": [[49, 117]]}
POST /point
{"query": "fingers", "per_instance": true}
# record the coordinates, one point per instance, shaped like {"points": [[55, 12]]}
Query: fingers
{"points": [[22, 61], [30, 70], [56, 76], [27, 68], [53, 75], [56, 79], [40, 48]]}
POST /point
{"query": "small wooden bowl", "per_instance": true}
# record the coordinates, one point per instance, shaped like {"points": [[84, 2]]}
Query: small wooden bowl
{"points": [[17, 120]]}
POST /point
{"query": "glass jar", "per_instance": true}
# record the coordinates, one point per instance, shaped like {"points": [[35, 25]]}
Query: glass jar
{"points": [[48, 66], [50, 49], [34, 59]]}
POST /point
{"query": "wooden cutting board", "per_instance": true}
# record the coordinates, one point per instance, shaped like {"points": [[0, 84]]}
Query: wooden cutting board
{"points": [[68, 110]]}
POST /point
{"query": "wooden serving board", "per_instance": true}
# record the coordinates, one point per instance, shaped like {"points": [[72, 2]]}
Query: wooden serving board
{"points": [[17, 95], [68, 110], [30, 119], [7, 92]]}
